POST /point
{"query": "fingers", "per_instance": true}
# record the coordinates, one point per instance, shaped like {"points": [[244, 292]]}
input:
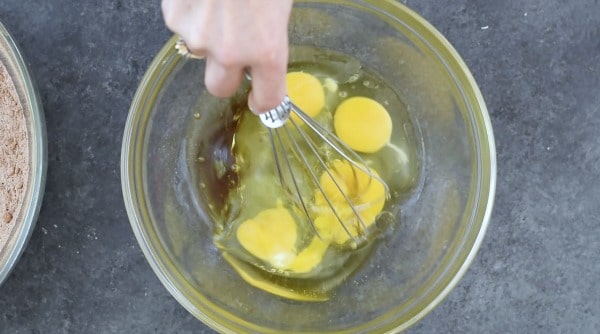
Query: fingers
{"points": [[183, 17], [220, 80], [170, 13], [268, 83], [229, 36], [180, 15]]}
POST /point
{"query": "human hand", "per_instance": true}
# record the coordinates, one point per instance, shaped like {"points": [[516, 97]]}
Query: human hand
{"points": [[234, 35]]}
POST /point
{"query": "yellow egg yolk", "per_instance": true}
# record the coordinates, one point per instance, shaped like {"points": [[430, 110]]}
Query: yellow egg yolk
{"points": [[305, 91], [366, 193], [363, 124], [272, 237], [310, 256]]}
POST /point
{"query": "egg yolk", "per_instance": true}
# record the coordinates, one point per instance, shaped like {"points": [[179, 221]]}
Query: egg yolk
{"points": [[272, 237], [309, 257], [366, 193], [363, 124], [305, 91]]}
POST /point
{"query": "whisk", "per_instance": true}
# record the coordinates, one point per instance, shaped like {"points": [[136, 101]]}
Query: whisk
{"points": [[303, 149]]}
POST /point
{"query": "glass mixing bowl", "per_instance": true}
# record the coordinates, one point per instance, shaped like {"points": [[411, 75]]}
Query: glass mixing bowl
{"points": [[26, 218], [437, 231]]}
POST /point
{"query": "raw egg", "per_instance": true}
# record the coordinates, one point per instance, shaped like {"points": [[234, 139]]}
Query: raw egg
{"points": [[305, 91], [363, 124], [366, 194], [272, 237]]}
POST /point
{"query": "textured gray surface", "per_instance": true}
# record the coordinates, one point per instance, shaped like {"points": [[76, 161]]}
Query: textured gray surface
{"points": [[537, 64]]}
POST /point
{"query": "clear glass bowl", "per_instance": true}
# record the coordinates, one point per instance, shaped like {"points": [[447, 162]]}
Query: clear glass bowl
{"points": [[438, 230], [26, 219]]}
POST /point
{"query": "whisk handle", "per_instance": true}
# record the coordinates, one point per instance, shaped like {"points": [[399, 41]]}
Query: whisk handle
{"points": [[276, 117]]}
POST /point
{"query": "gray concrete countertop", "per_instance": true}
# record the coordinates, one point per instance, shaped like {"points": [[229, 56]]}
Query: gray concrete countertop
{"points": [[538, 270]]}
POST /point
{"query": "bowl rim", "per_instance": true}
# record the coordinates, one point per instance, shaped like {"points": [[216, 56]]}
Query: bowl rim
{"points": [[484, 199], [32, 202]]}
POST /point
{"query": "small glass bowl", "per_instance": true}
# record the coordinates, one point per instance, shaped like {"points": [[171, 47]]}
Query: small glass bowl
{"points": [[26, 218]]}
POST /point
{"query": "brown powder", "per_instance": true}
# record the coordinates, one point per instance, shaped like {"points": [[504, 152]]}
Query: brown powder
{"points": [[14, 155]]}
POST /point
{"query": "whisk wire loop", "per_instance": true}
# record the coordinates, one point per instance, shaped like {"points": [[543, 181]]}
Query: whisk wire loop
{"points": [[313, 148], [285, 132], [297, 193], [339, 146]]}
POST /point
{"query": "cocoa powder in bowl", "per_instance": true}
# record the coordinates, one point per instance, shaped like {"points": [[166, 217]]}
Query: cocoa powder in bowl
{"points": [[14, 155]]}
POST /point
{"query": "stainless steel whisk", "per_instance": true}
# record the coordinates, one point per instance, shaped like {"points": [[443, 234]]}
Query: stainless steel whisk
{"points": [[309, 157], [285, 133]]}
